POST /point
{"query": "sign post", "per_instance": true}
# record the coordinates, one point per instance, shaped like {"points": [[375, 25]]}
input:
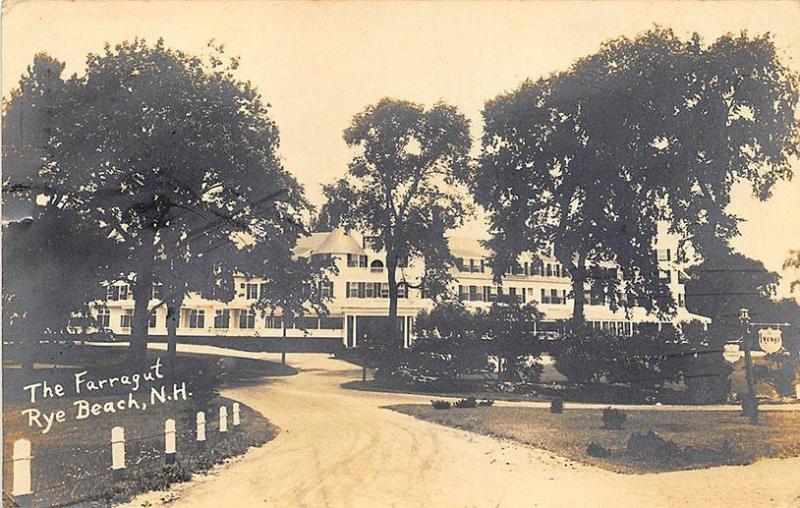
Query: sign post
{"points": [[750, 403]]}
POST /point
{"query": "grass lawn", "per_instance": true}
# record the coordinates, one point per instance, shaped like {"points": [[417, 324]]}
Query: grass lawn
{"points": [[72, 461], [569, 434]]}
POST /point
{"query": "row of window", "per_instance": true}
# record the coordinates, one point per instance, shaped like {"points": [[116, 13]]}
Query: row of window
{"points": [[222, 319], [373, 290], [528, 268], [490, 294], [117, 292]]}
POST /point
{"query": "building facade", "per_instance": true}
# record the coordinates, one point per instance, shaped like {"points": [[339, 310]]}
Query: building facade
{"points": [[358, 296]]}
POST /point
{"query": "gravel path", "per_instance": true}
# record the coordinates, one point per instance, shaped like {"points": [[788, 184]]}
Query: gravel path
{"points": [[340, 448]]}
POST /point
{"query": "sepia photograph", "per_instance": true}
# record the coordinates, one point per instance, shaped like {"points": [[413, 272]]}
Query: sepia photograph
{"points": [[341, 253]]}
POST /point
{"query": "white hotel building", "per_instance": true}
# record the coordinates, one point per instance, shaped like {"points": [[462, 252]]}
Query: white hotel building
{"points": [[359, 298]]}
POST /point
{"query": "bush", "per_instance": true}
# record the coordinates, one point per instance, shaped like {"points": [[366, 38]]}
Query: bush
{"points": [[486, 403], [597, 450], [556, 406], [652, 447], [440, 404], [469, 402], [614, 419]]}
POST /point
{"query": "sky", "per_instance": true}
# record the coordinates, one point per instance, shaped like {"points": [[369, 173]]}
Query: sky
{"points": [[319, 63]]}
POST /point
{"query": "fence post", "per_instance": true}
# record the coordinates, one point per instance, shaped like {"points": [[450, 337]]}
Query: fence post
{"points": [[201, 428], [223, 419], [21, 489], [118, 451], [169, 440], [236, 416]]}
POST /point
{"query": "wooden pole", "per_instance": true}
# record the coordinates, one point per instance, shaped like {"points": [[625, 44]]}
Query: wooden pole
{"points": [[21, 488]]}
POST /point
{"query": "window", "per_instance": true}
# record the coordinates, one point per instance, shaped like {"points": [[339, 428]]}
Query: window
{"points": [[307, 323], [554, 296], [664, 254], [125, 318], [326, 289], [117, 292], [273, 322], [681, 300], [222, 318], [262, 290], [329, 323], [251, 291], [158, 289], [376, 266], [665, 275], [545, 298], [463, 293], [247, 318], [103, 318], [548, 270], [153, 319], [473, 294], [197, 318], [356, 261]]}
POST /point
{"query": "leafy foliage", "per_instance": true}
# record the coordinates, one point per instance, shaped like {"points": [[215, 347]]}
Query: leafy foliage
{"points": [[511, 333], [614, 418], [399, 188], [448, 330], [440, 404], [647, 129], [166, 153], [467, 403]]}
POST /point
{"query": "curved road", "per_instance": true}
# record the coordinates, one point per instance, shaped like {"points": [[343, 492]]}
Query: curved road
{"points": [[338, 447]]}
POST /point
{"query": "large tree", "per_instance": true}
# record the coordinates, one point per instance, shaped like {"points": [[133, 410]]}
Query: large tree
{"points": [[154, 148], [651, 129], [401, 189], [52, 266], [52, 270]]}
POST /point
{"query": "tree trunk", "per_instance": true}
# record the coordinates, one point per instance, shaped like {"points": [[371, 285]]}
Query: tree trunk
{"points": [[174, 303], [578, 275], [142, 291], [283, 339], [391, 269]]}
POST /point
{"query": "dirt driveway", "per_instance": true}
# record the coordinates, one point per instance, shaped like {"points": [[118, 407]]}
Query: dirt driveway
{"points": [[340, 448]]}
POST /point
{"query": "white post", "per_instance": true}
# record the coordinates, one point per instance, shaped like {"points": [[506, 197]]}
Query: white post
{"points": [[223, 419], [21, 489], [169, 440], [797, 390], [201, 427], [118, 450], [237, 416]]}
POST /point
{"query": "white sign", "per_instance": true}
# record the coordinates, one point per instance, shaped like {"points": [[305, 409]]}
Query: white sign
{"points": [[770, 340], [731, 353]]}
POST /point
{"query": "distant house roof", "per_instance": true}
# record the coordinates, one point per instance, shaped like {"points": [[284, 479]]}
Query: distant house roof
{"points": [[335, 242]]}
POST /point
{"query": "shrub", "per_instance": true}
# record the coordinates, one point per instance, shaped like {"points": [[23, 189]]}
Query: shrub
{"points": [[440, 404], [556, 406], [652, 447], [597, 450], [469, 402], [486, 403], [614, 418]]}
